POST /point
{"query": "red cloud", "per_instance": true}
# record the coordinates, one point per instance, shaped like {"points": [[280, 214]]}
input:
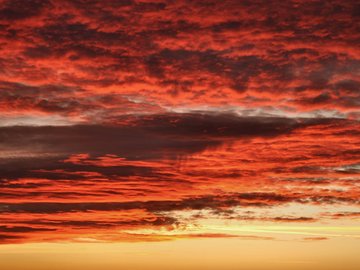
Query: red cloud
{"points": [[174, 107]]}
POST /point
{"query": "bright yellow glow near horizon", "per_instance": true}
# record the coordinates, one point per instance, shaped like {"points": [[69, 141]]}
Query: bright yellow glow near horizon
{"points": [[219, 253]]}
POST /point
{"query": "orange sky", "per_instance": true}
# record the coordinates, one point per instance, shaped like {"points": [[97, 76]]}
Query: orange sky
{"points": [[192, 254], [149, 134]]}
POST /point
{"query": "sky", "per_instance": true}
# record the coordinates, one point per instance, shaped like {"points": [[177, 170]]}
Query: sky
{"points": [[182, 134]]}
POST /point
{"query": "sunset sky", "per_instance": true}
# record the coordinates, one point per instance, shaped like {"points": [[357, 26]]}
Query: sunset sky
{"points": [[179, 134]]}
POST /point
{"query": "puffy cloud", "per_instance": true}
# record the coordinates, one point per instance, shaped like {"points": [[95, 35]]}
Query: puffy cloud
{"points": [[164, 55]]}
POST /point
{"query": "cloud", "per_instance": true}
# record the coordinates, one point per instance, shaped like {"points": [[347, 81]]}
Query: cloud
{"points": [[182, 54], [130, 112], [9, 238], [315, 238], [194, 203], [171, 135], [16, 10], [23, 229]]}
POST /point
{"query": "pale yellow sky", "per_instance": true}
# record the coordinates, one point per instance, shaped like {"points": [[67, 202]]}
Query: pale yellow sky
{"points": [[219, 253]]}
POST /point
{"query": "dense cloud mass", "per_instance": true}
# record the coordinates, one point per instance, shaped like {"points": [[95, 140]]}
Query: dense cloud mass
{"points": [[122, 117], [93, 61]]}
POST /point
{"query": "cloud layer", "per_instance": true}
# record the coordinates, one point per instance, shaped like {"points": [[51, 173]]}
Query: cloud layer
{"points": [[121, 118]]}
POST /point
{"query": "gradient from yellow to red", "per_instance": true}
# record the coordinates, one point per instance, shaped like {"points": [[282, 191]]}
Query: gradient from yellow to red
{"points": [[159, 134]]}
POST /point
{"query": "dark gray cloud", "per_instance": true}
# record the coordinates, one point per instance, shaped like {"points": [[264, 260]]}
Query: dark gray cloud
{"points": [[149, 137], [211, 202]]}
